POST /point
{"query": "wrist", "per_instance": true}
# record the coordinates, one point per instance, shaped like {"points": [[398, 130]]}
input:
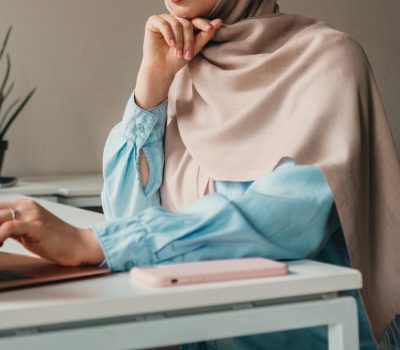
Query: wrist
{"points": [[156, 72], [90, 252], [152, 87]]}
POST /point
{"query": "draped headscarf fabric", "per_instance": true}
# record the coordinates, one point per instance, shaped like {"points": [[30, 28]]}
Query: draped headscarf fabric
{"points": [[270, 86]]}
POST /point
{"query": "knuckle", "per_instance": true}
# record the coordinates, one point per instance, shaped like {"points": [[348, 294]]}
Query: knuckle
{"points": [[36, 214], [37, 210], [31, 208], [199, 21], [165, 26], [153, 21], [176, 25], [29, 203], [187, 25], [150, 20]]}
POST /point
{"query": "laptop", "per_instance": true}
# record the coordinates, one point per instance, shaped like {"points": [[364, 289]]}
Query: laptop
{"points": [[17, 271]]}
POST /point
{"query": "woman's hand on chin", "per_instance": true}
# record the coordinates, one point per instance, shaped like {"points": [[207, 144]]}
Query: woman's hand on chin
{"points": [[46, 235], [169, 44]]}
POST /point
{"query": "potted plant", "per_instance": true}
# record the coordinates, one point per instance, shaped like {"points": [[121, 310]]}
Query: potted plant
{"points": [[13, 109]]}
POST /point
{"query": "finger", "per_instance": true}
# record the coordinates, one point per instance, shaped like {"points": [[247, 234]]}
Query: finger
{"points": [[18, 204], [216, 23], [15, 228], [202, 24], [162, 26], [204, 37], [9, 204], [178, 33], [5, 215], [25, 205], [188, 34]]}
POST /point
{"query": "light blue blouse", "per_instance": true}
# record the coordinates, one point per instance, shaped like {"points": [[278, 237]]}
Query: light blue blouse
{"points": [[287, 214]]}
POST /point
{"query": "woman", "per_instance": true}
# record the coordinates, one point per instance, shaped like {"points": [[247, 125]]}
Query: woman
{"points": [[276, 144]]}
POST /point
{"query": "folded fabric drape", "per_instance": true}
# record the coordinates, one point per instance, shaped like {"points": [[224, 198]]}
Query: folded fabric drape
{"points": [[271, 85]]}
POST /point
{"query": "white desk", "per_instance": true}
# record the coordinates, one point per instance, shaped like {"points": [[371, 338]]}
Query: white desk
{"points": [[74, 190], [114, 313]]}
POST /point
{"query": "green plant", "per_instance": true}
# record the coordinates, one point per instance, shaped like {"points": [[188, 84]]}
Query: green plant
{"points": [[16, 107]]}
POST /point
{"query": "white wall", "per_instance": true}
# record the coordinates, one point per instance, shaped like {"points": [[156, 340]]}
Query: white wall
{"points": [[83, 56]]}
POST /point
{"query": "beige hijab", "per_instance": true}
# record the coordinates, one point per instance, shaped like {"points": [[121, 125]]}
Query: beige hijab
{"points": [[270, 86]]}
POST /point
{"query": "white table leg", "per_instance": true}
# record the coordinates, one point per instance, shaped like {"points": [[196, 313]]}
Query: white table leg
{"points": [[344, 334], [340, 314]]}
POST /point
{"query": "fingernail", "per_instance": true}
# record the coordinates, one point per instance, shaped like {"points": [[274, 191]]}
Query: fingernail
{"points": [[172, 42], [220, 23], [188, 55], [179, 53]]}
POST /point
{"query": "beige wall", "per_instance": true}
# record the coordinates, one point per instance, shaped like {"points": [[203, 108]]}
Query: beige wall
{"points": [[83, 56]]}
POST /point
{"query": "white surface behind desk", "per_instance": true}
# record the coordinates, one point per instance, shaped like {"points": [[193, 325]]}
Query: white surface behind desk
{"points": [[75, 190]]}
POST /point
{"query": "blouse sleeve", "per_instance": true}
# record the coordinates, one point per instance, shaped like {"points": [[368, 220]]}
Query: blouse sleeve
{"points": [[123, 195], [287, 214]]}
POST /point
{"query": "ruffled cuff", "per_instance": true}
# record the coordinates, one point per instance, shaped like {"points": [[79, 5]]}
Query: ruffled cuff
{"points": [[124, 244]]}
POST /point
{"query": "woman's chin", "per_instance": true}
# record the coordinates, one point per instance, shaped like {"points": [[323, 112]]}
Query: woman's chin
{"points": [[184, 13]]}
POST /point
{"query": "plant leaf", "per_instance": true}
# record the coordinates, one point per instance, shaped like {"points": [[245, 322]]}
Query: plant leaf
{"points": [[5, 42], [16, 113], [8, 91], [8, 111], [5, 80], [6, 94]]}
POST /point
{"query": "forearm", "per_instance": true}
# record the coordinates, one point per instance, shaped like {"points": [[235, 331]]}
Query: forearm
{"points": [[144, 169], [152, 87]]}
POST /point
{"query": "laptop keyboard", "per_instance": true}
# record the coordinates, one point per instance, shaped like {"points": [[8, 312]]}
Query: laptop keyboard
{"points": [[11, 276]]}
